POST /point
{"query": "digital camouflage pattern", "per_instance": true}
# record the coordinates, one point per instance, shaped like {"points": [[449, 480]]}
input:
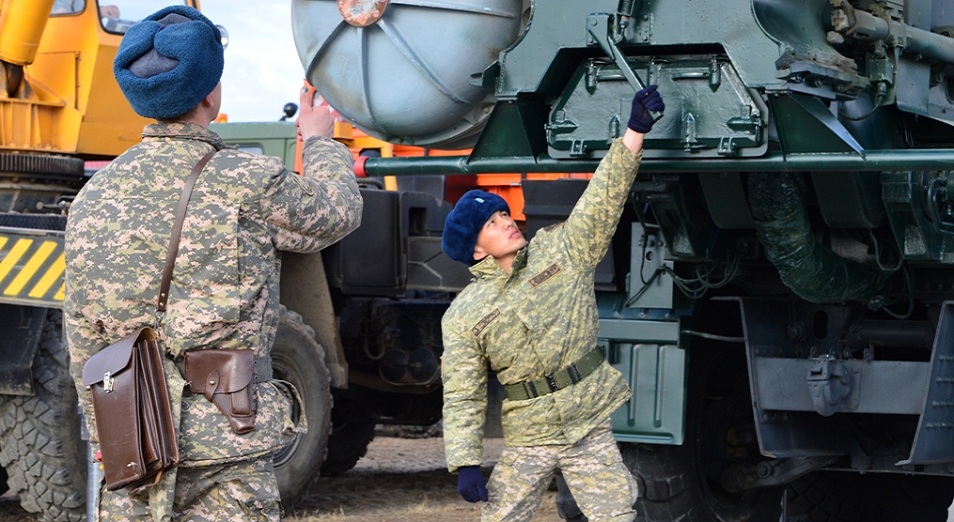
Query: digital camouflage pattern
{"points": [[537, 319], [244, 209], [593, 468], [207, 494]]}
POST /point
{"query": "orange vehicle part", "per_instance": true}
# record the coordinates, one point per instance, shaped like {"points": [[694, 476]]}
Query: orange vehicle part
{"points": [[364, 146], [507, 186], [60, 95]]}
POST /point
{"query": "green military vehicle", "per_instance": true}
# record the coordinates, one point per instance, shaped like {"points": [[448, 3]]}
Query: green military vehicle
{"points": [[779, 291]]}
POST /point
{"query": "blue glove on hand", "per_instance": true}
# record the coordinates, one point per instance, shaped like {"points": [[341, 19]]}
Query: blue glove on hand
{"points": [[471, 484], [646, 100]]}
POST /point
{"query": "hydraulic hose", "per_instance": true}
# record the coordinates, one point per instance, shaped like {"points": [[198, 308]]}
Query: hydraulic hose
{"points": [[814, 272]]}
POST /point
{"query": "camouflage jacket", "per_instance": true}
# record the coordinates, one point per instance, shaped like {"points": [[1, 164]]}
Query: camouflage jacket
{"points": [[537, 319], [245, 208]]}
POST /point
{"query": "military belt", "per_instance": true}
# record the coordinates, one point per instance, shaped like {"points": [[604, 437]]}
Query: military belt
{"points": [[572, 374]]}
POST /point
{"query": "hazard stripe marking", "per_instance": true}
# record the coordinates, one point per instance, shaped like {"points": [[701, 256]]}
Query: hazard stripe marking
{"points": [[52, 275], [30, 268], [12, 258]]}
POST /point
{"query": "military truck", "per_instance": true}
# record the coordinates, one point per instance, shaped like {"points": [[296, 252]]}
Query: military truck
{"points": [[379, 296], [779, 289]]}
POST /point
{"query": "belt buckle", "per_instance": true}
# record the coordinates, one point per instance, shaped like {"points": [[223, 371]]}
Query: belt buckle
{"points": [[530, 389], [574, 373], [551, 382]]}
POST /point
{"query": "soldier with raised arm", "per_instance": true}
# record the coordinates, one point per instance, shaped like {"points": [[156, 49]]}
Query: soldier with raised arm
{"points": [[530, 315], [245, 209]]}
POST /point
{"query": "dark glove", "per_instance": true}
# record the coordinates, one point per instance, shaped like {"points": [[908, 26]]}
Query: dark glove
{"points": [[471, 484], [646, 101]]}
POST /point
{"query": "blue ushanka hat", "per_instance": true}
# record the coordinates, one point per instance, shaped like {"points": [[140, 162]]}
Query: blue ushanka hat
{"points": [[167, 63], [465, 221]]}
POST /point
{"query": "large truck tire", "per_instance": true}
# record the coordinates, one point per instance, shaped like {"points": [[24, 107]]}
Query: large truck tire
{"points": [[828, 496], [40, 443], [352, 430], [684, 483], [566, 505], [300, 360]]}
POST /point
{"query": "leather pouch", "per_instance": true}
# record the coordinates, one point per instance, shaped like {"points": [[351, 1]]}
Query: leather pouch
{"points": [[225, 378], [132, 409]]}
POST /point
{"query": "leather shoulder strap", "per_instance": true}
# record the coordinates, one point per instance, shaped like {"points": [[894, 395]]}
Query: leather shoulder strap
{"points": [[177, 231]]}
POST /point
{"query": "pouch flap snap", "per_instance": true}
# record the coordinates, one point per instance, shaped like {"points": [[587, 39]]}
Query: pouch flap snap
{"points": [[111, 359]]}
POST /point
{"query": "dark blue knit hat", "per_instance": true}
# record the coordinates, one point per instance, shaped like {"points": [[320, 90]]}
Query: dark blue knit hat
{"points": [[465, 221], [169, 62]]}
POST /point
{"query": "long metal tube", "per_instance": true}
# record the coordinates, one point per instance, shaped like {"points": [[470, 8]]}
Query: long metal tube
{"points": [[884, 160], [868, 27], [895, 334]]}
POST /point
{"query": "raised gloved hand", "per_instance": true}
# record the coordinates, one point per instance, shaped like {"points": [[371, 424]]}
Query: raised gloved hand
{"points": [[471, 484], [645, 102]]}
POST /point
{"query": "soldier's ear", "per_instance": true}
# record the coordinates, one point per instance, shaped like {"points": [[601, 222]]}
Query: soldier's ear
{"points": [[479, 253]]}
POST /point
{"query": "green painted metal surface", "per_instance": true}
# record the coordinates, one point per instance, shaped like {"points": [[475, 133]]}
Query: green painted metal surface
{"points": [[647, 352], [852, 101], [269, 138]]}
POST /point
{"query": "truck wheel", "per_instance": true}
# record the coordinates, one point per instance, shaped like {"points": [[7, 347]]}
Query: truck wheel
{"points": [[40, 444], [853, 497], [352, 430], [684, 483], [566, 505], [300, 360]]}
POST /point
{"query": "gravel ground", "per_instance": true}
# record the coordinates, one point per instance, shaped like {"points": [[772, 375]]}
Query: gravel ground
{"points": [[400, 479]]}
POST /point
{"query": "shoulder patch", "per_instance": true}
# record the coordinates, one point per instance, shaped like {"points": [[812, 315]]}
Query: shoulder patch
{"points": [[547, 273], [483, 323]]}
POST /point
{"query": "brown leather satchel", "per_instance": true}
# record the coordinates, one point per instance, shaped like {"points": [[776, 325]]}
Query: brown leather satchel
{"points": [[224, 377], [131, 404], [133, 413]]}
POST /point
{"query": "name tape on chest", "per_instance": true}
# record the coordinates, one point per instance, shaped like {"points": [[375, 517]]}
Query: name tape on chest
{"points": [[483, 323]]}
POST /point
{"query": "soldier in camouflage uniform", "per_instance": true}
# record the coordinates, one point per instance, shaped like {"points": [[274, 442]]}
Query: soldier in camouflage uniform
{"points": [[245, 208], [530, 316]]}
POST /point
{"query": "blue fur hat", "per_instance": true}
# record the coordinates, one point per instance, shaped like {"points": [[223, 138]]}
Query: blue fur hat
{"points": [[167, 63], [465, 221]]}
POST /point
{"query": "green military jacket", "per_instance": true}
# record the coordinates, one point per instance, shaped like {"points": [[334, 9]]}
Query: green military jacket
{"points": [[537, 319], [244, 210]]}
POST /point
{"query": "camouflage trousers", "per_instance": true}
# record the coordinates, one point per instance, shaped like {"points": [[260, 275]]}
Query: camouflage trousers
{"points": [[593, 468], [244, 490]]}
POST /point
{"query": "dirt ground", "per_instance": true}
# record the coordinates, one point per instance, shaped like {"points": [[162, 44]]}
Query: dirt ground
{"points": [[400, 479]]}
